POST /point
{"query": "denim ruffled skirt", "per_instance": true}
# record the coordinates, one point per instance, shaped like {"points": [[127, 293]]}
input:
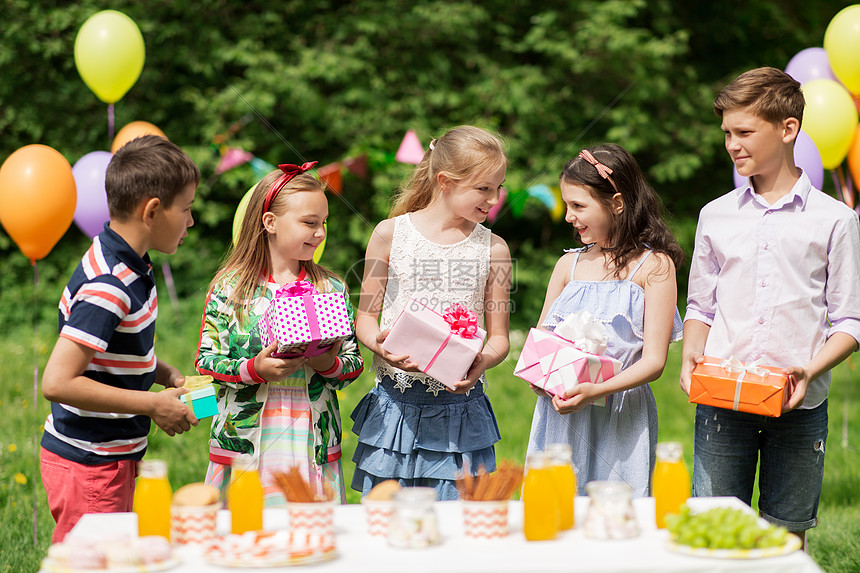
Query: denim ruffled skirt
{"points": [[422, 439]]}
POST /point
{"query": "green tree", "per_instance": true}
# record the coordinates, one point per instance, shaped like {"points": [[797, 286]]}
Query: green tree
{"points": [[323, 80]]}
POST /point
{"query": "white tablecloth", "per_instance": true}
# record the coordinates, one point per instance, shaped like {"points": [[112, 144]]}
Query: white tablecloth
{"points": [[570, 552]]}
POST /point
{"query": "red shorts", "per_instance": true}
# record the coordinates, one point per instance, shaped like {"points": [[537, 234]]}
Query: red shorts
{"points": [[75, 489]]}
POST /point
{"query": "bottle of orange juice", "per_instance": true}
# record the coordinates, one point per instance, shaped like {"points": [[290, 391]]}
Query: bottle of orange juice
{"points": [[565, 481], [152, 495], [671, 482], [245, 496], [540, 500]]}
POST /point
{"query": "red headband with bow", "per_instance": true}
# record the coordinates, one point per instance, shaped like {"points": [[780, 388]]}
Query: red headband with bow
{"points": [[290, 171], [602, 169]]}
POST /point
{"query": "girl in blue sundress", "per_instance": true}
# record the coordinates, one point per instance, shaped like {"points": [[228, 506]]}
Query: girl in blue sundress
{"points": [[624, 277], [434, 249]]}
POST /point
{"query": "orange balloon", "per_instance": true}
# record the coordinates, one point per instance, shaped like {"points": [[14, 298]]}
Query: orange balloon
{"points": [[37, 198], [133, 130], [854, 158]]}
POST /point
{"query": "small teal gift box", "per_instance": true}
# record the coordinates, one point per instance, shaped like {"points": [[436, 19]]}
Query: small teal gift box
{"points": [[202, 401]]}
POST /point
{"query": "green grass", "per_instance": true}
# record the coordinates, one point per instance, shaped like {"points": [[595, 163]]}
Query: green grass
{"points": [[835, 543]]}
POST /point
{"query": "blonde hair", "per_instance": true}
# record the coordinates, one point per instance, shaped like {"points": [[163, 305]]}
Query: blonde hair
{"points": [[248, 263], [463, 153], [768, 93]]}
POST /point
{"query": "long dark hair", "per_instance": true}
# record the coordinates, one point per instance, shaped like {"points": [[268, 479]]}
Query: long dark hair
{"points": [[640, 223]]}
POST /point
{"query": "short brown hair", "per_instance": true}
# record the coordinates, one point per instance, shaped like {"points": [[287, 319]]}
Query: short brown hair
{"points": [[768, 93], [146, 167]]}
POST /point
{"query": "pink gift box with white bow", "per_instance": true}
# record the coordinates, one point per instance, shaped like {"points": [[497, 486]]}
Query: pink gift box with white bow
{"points": [[298, 316], [555, 364], [442, 345]]}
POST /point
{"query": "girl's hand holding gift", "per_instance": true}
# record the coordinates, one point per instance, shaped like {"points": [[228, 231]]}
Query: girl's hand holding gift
{"points": [[577, 398], [475, 370], [400, 361], [273, 369], [327, 360]]}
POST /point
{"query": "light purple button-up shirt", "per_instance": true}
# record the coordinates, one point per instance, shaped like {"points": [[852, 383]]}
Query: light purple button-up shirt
{"points": [[775, 281]]}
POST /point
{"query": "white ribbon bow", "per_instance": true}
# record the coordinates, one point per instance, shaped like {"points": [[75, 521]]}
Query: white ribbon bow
{"points": [[584, 331], [735, 366]]}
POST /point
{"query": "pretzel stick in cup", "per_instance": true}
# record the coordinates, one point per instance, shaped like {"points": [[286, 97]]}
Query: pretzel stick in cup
{"points": [[497, 486], [297, 490]]}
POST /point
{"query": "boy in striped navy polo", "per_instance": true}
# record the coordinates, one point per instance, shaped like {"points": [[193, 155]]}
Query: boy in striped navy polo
{"points": [[104, 363]]}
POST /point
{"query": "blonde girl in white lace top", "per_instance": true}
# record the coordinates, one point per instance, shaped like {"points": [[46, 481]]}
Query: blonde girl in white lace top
{"points": [[434, 249]]}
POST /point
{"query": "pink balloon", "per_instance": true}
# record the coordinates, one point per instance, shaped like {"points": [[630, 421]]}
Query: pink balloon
{"points": [[806, 157], [810, 64], [494, 210], [91, 212]]}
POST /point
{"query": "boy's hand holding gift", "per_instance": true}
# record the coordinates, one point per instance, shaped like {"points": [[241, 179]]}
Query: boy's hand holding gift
{"points": [[303, 322], [444, 346], [733, 385], [557, 362]]}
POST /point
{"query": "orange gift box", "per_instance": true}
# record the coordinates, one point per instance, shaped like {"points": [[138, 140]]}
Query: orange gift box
{"points": [[732, 385]]}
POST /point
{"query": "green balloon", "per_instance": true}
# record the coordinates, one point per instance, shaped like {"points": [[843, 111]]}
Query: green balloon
{"points": [[240, 213]]}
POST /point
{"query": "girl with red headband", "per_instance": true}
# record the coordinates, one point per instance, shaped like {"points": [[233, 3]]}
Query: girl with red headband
{"points": [[435, 250], [279, 412], [624, 277]]}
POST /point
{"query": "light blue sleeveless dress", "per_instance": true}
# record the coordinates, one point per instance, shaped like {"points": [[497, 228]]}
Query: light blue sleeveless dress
{"points": [[616, 441]]}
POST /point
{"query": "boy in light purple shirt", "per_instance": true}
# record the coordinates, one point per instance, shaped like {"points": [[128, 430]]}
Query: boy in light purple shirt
{"points": [[775, 275]]}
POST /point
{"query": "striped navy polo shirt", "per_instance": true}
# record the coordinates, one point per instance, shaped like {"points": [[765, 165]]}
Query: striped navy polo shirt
{"points": [[109, 305]]}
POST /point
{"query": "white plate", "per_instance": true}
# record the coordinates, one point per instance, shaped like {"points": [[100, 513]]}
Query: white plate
{"points": [[246, 561], [52, 566], [791, 545]]}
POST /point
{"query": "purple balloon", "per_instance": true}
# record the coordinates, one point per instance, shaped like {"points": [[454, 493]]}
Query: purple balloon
{"points": [[806, 157], [810, 64], [91, 212]]}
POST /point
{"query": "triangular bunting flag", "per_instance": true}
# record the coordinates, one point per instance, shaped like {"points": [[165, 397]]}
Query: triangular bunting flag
{"points": [[517, 199], [357, 165], [332, 177], [560, 208], [232, 157], [410, 150], [543, 194], [494, 210], [261, 168]]}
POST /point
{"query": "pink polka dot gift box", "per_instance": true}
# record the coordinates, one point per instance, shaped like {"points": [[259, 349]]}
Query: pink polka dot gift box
{"points": [[303, 321]]}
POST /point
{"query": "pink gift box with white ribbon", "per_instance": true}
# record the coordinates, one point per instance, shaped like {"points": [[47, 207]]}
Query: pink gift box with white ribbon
{"points": [[442, 345], [554, 364], [298, 316]]}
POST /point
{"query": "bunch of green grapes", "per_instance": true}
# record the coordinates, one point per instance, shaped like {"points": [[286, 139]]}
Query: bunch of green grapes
{"points": [[723, 528]]}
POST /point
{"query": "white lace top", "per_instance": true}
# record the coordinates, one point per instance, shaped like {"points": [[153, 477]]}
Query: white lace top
{"points": [[435, 275]]}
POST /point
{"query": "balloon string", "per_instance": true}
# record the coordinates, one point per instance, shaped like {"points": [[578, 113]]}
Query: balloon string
{"points": [[110, 124], [847, 194], [35, 401], [839, 194]]}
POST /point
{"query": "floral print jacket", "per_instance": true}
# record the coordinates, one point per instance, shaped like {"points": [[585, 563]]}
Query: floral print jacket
{"points": [[227, 352]]}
